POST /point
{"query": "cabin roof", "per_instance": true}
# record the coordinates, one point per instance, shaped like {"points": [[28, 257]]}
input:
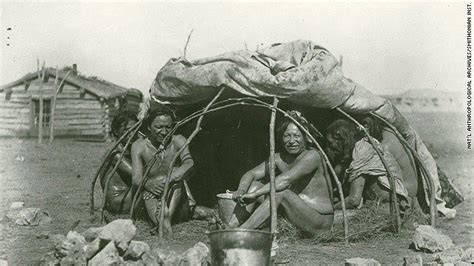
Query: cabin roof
{"points": [[97, 86]]}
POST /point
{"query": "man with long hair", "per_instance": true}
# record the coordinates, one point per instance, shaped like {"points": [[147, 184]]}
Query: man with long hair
{"points": [[303, 188], [160, 124]]}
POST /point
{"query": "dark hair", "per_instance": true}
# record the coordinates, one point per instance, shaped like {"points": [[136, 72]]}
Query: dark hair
{"points": [[121, 118], [281, 127], [159, 111], [373, 127], [349, 134]]}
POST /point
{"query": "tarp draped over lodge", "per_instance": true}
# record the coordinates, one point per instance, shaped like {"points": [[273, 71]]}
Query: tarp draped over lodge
{"points": [[300, 72]]}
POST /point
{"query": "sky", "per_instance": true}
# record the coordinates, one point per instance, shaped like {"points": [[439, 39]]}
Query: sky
{"points": [[386, 47]]}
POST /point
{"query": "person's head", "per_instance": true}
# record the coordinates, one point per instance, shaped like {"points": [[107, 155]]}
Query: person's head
{"points": [[373, 127], [122, 122], [341, 136], [159, 123], [292, 140]]}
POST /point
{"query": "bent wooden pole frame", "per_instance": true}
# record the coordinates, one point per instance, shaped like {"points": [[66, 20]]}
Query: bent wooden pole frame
{"points": [[391, 177], [313, 139], [268, 106], [176, 156], [154, 159], [426, 174], [104, 160], [273, 207], [325, 159], [109, 176]]}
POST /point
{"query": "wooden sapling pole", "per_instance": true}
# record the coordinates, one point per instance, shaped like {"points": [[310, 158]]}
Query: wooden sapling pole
{"points": [[273, 207], [107, 179], [391, 177], [187, 42], [104, 160], [318, 146], [176, 156], [426, 174], [41, 73], [53, 104]]}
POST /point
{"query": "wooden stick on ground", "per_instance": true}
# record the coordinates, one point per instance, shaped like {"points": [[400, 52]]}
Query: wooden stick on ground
{"points": [[273, 207], [393, 199], [176, 156], [426, 174]]}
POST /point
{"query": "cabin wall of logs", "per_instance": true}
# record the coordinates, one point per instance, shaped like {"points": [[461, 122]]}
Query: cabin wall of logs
{"points": [[77, 113]]}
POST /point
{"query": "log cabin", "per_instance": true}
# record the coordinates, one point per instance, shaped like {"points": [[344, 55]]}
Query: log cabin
{"points": [[85, 106]]}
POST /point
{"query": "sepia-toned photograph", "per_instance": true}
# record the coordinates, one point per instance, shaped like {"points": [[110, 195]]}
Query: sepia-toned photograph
{"points": [[236, 133]]}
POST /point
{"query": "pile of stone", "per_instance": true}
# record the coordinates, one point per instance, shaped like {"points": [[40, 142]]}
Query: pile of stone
{"points": [[440, 247], [113, 244]]}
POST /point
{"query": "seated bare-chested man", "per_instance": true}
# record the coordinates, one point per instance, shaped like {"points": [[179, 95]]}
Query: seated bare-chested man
{"points": [[303, 188], [160, 123], [119, 190], [361, 169]]}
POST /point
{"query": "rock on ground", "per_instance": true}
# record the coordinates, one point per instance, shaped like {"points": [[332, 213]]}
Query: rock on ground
{"points": [[449, 256], [468, 255], [136, 249], [160, 257], [32, 217], [3, 263], [17, 205], [120, 231], [361, 262], [71, 245], [107, 256], [92, 233], [413, 260], [197, 255], [428, 239], [92, 248], [49, 259]]}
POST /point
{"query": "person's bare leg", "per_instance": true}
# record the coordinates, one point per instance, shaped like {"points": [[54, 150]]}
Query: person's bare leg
{"points": [[175, 199], [151, 208], [296, 210], [203, 213], [253, 187]]}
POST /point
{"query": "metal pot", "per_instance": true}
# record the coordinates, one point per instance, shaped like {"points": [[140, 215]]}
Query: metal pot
{"points": [[240, 247], [230, 212]]}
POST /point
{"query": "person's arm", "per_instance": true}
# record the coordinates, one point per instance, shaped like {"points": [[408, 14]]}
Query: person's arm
{"points": [[106, 168], [125, 165], [137, 164], [355, 195], [305, 166], [253, 174], [187, 162]]}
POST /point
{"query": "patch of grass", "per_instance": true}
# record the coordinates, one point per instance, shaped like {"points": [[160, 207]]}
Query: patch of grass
{"points": [[371, 222]]}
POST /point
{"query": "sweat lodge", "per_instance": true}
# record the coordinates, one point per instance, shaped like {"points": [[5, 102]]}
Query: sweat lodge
{"points": [[280, 128]]}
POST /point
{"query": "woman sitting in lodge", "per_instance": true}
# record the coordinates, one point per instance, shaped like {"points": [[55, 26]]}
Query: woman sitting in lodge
{"points": [[119, 191], [362, 171]]}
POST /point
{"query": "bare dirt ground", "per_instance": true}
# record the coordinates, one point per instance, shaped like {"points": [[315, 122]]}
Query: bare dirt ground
{"points": [[57, 178]]}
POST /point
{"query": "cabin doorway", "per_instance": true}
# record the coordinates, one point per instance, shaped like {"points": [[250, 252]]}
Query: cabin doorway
{"points": [[35, 116]]}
